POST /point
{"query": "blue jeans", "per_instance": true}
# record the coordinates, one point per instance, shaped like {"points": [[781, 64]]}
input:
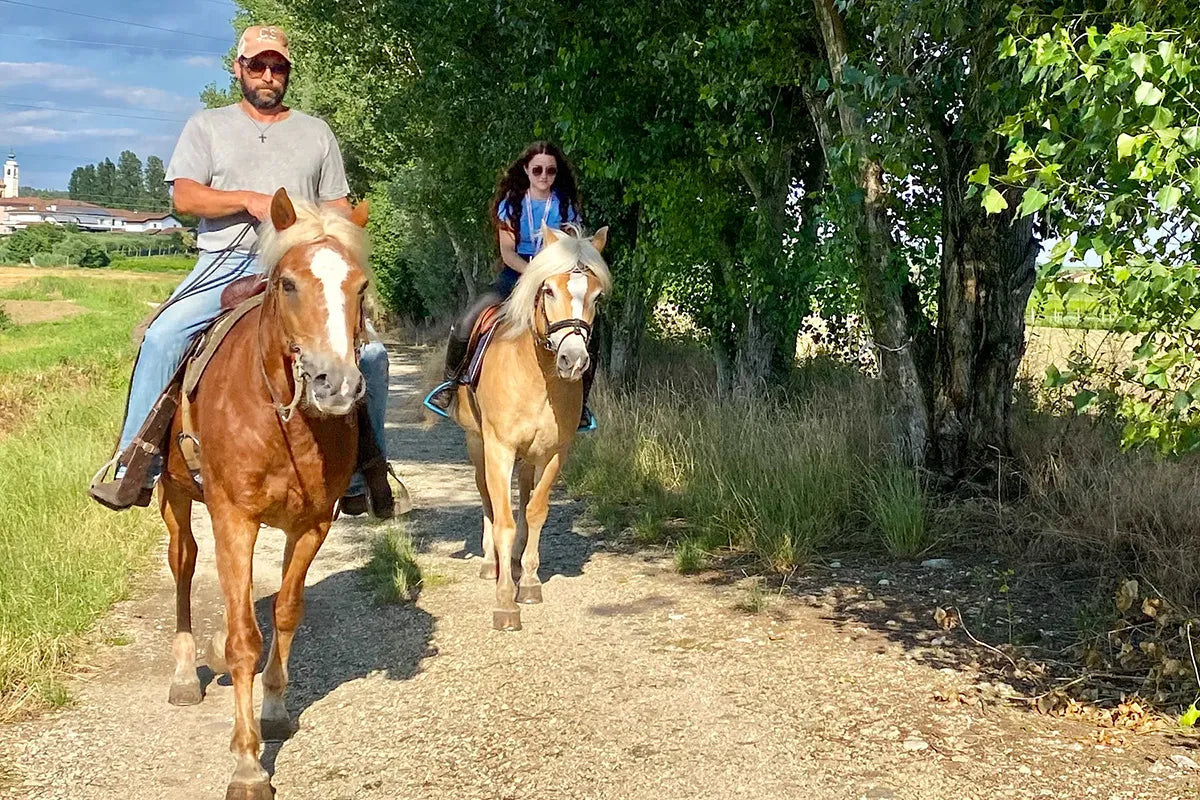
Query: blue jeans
{"points": [[199, 303]]}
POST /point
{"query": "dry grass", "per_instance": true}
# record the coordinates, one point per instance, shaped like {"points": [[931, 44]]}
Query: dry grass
{"points": [[1122, 512], [780, 478]]}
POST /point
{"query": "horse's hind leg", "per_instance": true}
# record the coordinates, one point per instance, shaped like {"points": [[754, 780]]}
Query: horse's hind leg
{"points": [[526, 473], [289, 610], [487, 569], [534, 514], [176, 508]]}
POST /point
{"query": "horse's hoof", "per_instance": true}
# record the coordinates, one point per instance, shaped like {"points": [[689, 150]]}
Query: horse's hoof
{"points": [[276, 730], [489, 571], [529, 594], [250, 791], [215, 653], [507, 620], [186, 693]]}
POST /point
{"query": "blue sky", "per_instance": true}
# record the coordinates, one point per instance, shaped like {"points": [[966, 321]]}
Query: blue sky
{"points": [[139, 85]]}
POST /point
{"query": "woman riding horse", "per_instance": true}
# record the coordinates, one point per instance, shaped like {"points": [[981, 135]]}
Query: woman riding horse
{"points": [[536, 191]]}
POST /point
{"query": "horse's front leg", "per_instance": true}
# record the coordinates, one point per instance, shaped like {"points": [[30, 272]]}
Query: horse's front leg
{"points": [[535, 513], [498, 460], [289, 610], [235, 536], [526, 476]]}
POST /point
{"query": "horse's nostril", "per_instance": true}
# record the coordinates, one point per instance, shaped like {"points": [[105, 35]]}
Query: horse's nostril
{"points": [[360, 388]]}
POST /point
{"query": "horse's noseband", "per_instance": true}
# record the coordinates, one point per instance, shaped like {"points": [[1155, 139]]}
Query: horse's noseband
{"points": [[575, 325]]}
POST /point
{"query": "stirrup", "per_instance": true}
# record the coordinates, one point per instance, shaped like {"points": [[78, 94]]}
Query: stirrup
{"points": [[445, 386], [588, 423]]}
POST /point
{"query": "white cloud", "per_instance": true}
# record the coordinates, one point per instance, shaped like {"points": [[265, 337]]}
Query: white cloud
{"points": [[70, 78], [46, 134], [207, 62]]}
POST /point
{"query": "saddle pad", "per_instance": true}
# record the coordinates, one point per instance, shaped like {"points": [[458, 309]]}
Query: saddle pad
{"points": [[481, 337], [208, 342]]}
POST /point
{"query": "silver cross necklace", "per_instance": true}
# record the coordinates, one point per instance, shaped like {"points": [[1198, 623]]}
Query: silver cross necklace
{"points": [[262, 132]]}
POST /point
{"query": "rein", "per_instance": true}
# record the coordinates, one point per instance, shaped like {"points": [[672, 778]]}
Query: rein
{"points": [[285, 412]]}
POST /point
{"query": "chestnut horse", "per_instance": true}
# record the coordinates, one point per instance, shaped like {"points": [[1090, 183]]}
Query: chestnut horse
{"points": [[526, 407], [260, 463]]}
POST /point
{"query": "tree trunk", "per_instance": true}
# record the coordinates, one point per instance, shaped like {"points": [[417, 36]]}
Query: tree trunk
{"points": [[629, 326], [882, 287], [987, 273], [466, 259]]}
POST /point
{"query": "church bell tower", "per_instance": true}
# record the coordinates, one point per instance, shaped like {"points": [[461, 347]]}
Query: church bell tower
{"points": [[12, 177]]}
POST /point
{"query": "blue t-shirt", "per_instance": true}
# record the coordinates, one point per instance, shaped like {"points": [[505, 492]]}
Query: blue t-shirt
{"points": [[528, 240]]}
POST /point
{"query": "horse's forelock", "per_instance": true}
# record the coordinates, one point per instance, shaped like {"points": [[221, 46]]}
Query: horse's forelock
{"points": [[312, 225], [572, 251]]}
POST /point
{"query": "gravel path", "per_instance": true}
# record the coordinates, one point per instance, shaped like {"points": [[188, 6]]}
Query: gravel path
{"points": [[631, 681]]}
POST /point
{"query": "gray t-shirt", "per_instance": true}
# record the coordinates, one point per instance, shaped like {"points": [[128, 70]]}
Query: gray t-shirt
{"points": [[221, 148]]}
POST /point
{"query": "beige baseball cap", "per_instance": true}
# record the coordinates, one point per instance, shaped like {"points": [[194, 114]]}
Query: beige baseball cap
{"points": [[262, 38]]}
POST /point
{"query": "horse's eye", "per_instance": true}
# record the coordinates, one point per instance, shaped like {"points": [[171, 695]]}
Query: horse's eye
{"points": [[288, 285]]}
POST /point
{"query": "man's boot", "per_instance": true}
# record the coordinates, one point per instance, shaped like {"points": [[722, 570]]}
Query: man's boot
{"points": [[374, 469], [131, 484]]}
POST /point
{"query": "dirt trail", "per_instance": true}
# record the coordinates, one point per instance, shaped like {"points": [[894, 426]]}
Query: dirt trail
{"points": [[629, 682]]}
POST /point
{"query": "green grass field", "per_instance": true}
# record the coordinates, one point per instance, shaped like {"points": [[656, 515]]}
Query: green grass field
{"points": [[63, 559], [171, 264]]}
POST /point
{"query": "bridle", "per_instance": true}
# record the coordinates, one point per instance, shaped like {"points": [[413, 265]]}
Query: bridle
{"points": [[578, 327], [299, 376]]}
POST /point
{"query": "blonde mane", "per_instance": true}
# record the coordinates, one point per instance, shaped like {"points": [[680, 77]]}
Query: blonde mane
{"points": [[571, 252], [312, 224]]}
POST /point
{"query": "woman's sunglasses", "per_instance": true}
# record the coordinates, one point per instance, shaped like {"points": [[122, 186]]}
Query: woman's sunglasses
{"points": [[537, 170], [256, 67]]}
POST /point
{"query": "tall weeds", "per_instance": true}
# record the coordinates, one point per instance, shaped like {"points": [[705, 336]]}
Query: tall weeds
{"points": [[782, 478]]}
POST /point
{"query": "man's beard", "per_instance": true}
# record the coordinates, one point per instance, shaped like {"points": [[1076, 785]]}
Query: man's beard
{"points": [[266, 98]]}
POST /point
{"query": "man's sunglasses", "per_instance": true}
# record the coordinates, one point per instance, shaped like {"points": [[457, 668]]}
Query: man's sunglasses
{"points": [[536, 171], [256, 67]]}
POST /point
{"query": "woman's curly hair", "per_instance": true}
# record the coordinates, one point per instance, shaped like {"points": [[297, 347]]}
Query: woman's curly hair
{"points": [[514, 183]]}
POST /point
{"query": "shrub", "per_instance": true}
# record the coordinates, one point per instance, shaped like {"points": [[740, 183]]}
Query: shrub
{"points": [[93, 256], [392, 574]]}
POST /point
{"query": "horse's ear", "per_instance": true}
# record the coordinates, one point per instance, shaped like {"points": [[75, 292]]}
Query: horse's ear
{"points": [[360, 213], [600, 238], [283, 213], [551, 235]]}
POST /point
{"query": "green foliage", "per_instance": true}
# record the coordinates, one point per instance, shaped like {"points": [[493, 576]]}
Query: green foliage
{"points": [[1107, 145], [40, 238], [126, 184], [392, 574], [93, 256], [690, 556], [893, 499]]}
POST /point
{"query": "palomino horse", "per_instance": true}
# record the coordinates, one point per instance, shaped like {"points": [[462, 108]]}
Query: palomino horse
{"points": [[262, 464], [527, 404]]}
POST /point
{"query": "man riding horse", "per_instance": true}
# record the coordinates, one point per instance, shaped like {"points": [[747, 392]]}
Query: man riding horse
{"points": [[226, 166]]}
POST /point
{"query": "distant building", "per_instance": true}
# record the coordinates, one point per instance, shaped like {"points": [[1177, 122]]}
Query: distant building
{"points": [[12, 177], [21, 212]]}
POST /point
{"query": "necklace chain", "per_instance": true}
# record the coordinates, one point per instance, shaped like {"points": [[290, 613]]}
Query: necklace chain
{"points": [[262, 132]]}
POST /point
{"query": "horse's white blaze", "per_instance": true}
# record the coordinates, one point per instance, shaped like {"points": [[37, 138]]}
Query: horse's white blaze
{"points": [[577, 285], [331, 270]]}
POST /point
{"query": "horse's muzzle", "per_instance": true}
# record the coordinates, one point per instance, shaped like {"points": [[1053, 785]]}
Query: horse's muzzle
{"points": [[572, 359], [334, 387]]}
